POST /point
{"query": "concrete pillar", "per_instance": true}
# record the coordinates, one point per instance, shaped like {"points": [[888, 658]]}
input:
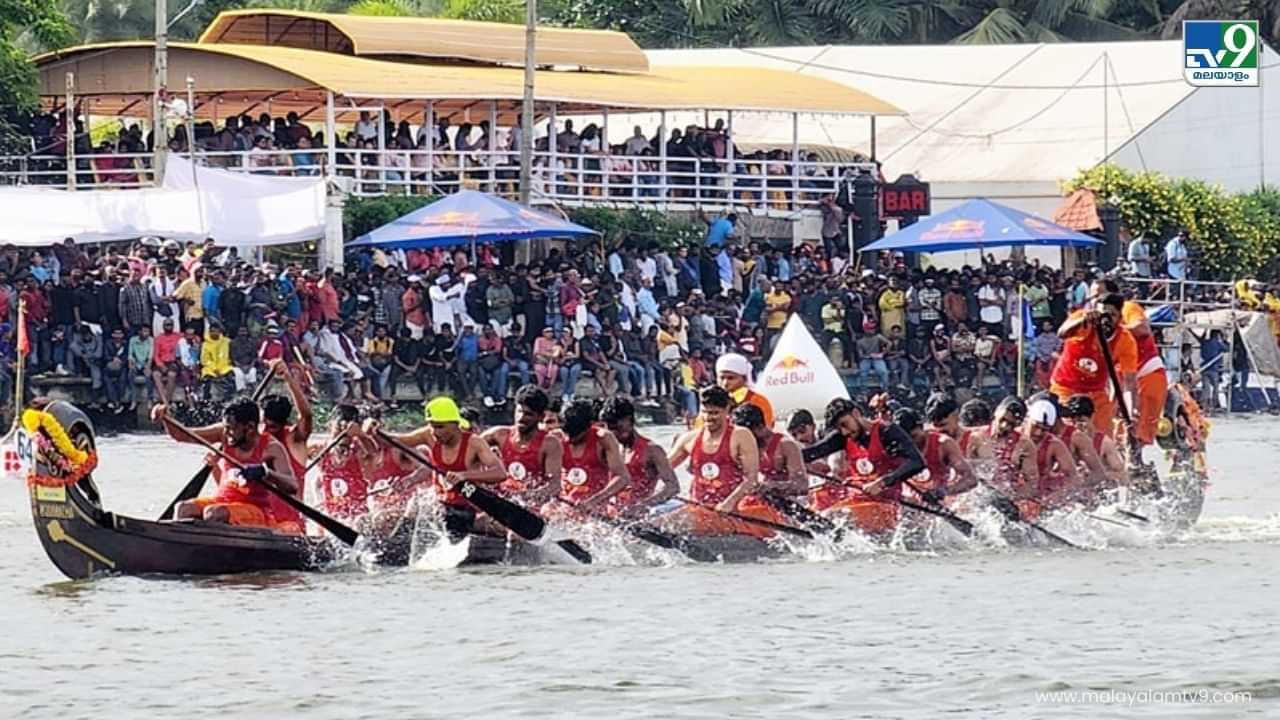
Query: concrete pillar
{"points": [[330, 250]]}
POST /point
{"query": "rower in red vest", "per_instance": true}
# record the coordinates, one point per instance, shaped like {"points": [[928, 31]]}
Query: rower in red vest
{"points": [[975, 430], [532, 455], [1085, 458], [1059, 482], [880, 456], [1081, 368], [276, 411], [240, 499], [947, 472], [1078, 414], [725, 463], [1016, 476], [457, 455], [344, 482], [594, 470], [653, 482], [804, 431], [782, 467]]}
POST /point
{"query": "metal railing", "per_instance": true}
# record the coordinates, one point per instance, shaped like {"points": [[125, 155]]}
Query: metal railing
{"points": [[771, 186]]}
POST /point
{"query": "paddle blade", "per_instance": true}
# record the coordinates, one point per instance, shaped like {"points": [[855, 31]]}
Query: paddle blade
{"points": [[667, 541], [576, 551], [189, 492], [509, 515]]}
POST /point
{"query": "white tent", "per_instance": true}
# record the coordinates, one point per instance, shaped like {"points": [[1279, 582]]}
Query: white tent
{"points": [[1008, 122], [234, 209], [798, 375]]}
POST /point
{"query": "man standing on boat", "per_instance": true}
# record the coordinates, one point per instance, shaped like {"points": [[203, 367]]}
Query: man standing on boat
{"points": [[1082, 368], [533, 456], [1150, 383], [733, 373], [239, 499], [653, 482], [725, 463], [594, 471]]}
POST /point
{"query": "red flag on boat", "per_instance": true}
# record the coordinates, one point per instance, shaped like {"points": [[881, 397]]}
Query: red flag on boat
{"points": [[24, 343]]}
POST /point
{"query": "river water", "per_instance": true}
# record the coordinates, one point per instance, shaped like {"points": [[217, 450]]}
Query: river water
{"points": [[1141, 627]]}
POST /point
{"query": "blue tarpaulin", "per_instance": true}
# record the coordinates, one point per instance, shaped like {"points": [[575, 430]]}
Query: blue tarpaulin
{"points": [[468, 217], [980, 224]]}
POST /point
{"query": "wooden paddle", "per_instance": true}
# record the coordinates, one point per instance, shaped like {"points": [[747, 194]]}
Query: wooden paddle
{"points": [[797, 511], [1036, 526], [196, 484], [509, 515], [653, 536], [325, 450], [959, 523], [798, 532], [340, 531]]}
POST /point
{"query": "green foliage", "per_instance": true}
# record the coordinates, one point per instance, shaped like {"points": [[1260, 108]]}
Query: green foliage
{"points": [[503, 11], [41, 23], [638, 226], [1233, 234], [362, 214]]}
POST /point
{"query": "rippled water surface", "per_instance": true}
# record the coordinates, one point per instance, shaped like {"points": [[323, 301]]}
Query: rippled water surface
{"points": [[971, 632]]}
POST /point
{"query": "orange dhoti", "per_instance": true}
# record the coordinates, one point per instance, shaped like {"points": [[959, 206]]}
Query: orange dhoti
{"points": [[1152, 389], [705, 521], [1104, 408], [244, 514]]}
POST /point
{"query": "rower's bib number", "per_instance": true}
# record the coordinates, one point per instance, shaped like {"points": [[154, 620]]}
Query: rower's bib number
{"points": [[576, 477], [517, 471], [338, 487], [1087, 365], [709, 471], [863, 466]]}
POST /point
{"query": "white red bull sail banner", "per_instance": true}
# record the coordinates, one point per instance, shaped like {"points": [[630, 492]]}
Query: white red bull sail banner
{"points": [[799, 375]]}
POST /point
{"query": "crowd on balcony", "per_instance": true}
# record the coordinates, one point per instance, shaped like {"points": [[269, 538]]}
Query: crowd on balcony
{"points": [[700, 163]]}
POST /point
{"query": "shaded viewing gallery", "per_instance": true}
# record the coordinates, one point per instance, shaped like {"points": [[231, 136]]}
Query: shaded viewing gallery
{"points": [[407, 105]]}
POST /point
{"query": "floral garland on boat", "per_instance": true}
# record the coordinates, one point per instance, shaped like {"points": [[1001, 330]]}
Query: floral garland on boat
{"points": [[70, 462]]}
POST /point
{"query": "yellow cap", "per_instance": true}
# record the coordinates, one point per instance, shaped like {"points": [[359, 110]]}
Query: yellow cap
{"points": [[445, 410]]}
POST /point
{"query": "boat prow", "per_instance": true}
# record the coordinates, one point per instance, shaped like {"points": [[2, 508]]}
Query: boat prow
{"points": [[84, 540]]}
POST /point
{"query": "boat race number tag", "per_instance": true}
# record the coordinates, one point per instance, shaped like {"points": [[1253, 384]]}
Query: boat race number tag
{"points": [[709, 471], [1221, 53], [517, 470], [577, 476], [864, 466], [338, 487], [21, 456]]}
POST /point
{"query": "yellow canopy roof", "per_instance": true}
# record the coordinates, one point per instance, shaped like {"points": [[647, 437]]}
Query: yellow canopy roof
{"points": [[483, 42], [291, 76]]}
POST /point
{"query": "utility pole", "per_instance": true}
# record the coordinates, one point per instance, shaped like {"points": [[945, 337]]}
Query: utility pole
{"points": [[526, 108], [160, 81]]}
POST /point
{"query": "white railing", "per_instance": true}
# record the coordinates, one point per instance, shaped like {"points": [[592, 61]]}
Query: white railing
{"points": [[761, 185]]}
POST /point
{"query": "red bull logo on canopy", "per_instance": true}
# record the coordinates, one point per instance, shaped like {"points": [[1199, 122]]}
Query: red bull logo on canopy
{"points": [[959, 229]]}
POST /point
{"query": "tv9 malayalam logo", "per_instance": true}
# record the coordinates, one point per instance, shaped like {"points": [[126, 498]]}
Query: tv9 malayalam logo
{"points": [[1221, 53]]}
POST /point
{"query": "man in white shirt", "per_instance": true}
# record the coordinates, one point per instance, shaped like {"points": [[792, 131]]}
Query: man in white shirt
{"points": [[991, 306], [1140, 257], [647, 266], [637, 143], [366, 129], [1175, 256], [442, 303]]}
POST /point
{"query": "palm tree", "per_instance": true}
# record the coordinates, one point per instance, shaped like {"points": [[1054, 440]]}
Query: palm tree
{"points": [[1266, 12], [1010, 21]]}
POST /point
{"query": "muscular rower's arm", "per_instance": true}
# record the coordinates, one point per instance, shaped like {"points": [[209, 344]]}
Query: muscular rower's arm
{"points": [[491, 470], [668, 485], [276, 458], [306, 422], [680, 451], [796, 479], [964, 479], [1065, 460], [743, 447], [495, 436], [832, 442], [619, 476], [1097, 470], [898, 443]]}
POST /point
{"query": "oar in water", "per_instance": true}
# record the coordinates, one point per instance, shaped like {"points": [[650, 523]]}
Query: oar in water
{"points": [[653, 536], [1099, 518], [509, 515], [798, 532], [196, 484], [1133, 515], [797, 511], [959, 523], [1036, 526], [337, 529]]}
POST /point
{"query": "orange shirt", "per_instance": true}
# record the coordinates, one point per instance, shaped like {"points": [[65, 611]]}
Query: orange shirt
{"points": [[1132, 316], [747, 396], [1081, 367]]}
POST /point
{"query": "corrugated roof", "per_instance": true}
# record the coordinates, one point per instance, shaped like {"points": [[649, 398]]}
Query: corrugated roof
{"points": [[121, 69], [482, 42]]}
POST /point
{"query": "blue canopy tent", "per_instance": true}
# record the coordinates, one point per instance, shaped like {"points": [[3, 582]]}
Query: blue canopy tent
{"points": [[468, 216], [979, 224]]}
